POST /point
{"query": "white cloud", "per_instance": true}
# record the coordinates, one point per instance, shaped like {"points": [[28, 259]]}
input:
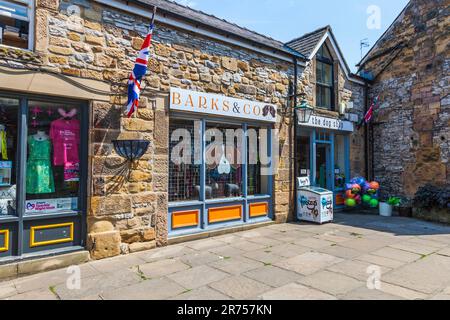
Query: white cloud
{"points": [[187, 3]]}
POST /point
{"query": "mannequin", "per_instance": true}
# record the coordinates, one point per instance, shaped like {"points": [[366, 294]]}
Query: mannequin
{"points": [[41, 136]]}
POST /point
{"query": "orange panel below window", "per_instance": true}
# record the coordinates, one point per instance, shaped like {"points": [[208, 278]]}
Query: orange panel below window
{"points": [[182, 219], [224, 214], [259, 209], [340, 200]]}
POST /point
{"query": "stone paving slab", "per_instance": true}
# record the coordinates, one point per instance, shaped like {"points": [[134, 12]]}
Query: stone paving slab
{"points": [[197, 277], [156, 289], [161, 268], [428, 275], [240, 287], [331, 282], [279, 261], [236, 265], [397, 254], [308, 263], [201, 294], [363, 293], [273, 276], [296, 291]]}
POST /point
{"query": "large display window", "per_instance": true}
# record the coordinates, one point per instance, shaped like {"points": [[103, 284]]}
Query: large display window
{"points": [[218, 174], [43, 159]]}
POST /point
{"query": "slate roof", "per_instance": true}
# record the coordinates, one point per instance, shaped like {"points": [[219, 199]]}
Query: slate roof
{"points": [[308, 42], [186, 13]]}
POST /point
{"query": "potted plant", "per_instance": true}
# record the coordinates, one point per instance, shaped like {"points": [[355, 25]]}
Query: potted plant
{"points": [[405, 209], [387, 206]]}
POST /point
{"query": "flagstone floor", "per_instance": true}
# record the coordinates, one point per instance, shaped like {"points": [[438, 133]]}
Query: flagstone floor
{"points": [[356, 257]]}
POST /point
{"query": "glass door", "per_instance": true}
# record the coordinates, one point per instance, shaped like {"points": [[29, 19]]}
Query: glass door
{"points": [[323, 166]]}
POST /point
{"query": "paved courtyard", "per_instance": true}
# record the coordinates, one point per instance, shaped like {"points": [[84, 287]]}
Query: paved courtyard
{"points": [[411, 259]]}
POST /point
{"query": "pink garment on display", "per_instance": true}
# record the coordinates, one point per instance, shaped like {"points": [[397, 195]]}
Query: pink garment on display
{"points": [[65, 135]]}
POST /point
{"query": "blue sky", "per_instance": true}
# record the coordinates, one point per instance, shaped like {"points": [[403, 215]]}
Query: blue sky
{"points": [[287, 19]]}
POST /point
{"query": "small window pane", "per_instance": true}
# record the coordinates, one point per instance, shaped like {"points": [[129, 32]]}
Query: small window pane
{"points": [[258, 183], [53, 158], [14, 24], [304, 165], [184, 173], [327, 77], [8, 162], [224, 162]]}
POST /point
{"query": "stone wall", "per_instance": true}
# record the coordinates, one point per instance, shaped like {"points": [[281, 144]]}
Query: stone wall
{"points": [[411, 64], [127, 207]]}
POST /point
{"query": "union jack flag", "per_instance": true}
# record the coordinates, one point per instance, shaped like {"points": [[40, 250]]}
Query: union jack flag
{"points": [[139, 71]]}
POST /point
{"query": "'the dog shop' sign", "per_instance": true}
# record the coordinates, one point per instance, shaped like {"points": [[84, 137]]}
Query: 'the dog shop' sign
{"points": [[199, 102]]}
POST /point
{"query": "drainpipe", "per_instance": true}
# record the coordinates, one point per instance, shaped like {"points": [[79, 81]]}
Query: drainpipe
{"points": [[366, 134], [295, 135]]}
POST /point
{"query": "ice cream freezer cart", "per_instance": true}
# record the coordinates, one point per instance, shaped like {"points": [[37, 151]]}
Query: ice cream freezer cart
{"points": [[314, 204]]}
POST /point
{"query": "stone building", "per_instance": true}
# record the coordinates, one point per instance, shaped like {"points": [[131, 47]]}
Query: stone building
{"points": [[410, 71], [63, 77]]}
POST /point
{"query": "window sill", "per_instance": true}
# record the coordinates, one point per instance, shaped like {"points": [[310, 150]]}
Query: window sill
{"points": [[5, 46]]}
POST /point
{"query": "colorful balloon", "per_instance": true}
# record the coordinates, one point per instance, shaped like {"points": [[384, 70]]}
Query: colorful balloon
{"points": [[366, 198], [350, 202], [356, 188], [358, 199], [349, 194], [360, 181], [348, 186], [374, 203], [366, 186], [374, 185]]}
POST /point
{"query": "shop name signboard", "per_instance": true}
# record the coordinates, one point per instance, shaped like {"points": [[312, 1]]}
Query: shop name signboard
{"points": [[328, 123], [199, 102]]}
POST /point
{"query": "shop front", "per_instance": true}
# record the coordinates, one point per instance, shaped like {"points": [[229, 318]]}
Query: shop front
{"points": [[220, 162], [323, 146], [43, 162]]}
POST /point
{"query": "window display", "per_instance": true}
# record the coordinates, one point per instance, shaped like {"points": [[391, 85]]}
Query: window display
{"points": [[258, 184], [184, 178], [52, 173], [8, 163], [224, 163], [339, 163]]}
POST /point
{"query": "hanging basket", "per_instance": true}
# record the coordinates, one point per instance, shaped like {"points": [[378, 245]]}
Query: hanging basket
{"points": [[131, 149]]}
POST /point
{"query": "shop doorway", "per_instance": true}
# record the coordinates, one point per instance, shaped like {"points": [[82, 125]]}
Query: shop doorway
{"points": [[324, 157], [323, 166]]}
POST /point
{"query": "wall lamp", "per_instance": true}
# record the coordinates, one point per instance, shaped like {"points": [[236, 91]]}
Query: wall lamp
{"points": [[304, 111]]}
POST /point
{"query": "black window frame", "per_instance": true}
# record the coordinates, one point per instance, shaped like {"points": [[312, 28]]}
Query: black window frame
{"points": [[321, 59]]}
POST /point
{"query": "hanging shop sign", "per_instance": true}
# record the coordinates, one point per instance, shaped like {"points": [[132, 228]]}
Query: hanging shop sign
{"points": [[199, 102], [328, 123]]}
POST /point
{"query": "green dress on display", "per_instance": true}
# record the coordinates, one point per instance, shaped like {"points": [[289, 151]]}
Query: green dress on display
{"points": [[39, 171]]}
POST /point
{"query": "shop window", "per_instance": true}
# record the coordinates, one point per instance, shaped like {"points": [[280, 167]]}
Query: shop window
{"points": [[223, 161], [184, 173], [303, 156], [16, 23], [8, 162], [257, 182], [324, 79], [53, 158], [339, 162]]}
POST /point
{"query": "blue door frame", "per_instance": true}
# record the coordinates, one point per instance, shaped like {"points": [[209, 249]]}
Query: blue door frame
{"points": [[316, 138]]}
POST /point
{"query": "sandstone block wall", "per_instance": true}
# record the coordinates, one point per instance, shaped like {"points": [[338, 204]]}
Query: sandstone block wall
{"points": [[412, 125], [127, 206]]}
